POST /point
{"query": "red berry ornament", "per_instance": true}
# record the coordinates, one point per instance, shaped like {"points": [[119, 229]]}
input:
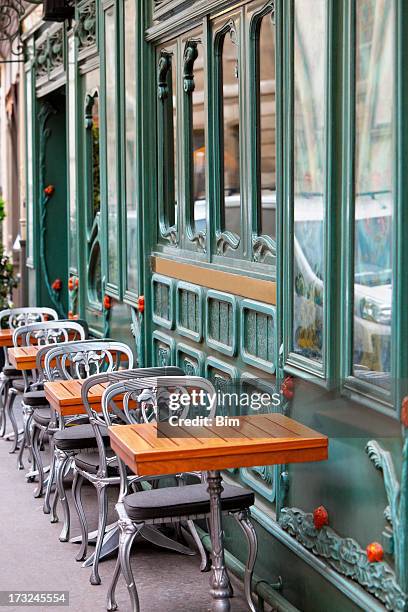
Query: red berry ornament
{"points": [[320, 517], [375, 552]]}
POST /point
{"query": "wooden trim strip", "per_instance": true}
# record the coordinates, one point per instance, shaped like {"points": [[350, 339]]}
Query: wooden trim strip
{"points": [[237, 284]]}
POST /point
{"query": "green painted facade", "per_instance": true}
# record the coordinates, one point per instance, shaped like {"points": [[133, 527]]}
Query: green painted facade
{"points": [[113, 102]]}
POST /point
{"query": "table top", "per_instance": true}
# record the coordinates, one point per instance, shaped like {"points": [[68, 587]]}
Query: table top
{"points": [[65, 396], [6, 337], [257, 440], [23, 357]]}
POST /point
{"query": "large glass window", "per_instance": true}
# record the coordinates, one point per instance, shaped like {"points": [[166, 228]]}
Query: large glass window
{"points": [[111, 144], [194, 83], [266, 127], [92, 172], [72, 161], [373, 205], [130, 141], [231, 196], [309, 177], [30, 161], [167, 133]]}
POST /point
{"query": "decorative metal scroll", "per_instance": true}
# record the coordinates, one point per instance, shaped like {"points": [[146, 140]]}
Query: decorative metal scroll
{"points": [[11, 12]]}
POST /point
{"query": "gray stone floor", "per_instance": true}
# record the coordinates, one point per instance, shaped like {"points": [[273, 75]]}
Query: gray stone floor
{"points": [[32, 558]]}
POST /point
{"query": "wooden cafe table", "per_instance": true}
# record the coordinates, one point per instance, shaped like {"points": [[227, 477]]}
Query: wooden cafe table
{"points": [[257, 440], [6, 337], [23, 357]]}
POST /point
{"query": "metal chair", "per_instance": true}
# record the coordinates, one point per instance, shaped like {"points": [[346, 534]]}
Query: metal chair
{"points": [[69, 361], [99, 467], [43, 333], [66, 361], [169, 504], [12, 318]]}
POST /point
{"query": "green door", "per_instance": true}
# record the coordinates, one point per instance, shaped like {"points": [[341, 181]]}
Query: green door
{"points": [[90, 211]]}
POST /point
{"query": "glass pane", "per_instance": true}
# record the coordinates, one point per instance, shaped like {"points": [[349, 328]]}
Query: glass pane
{"points": [[230, 106], [95, 155], [30, 179], [374, 159], [173, 98], [72, 155], [267, 127], [130, 142], [199, 193], [111, 145], [309, 171], [167, 152]]}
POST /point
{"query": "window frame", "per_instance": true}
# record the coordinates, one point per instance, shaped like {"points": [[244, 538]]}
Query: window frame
{"points": [[293, 363], [357, 390], [111, 288]]}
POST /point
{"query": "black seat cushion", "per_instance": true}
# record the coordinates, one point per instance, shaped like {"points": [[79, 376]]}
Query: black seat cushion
{"points": [[89, 462], [19, 384], [79, 437], [182, 501], [42, 416], [35, 398], [10, 372]]}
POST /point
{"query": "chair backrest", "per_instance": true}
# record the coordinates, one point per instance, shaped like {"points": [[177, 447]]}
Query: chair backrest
{"points": [[171, 396], [49, 332], [17, 317], [82, 359], [118, 415]]}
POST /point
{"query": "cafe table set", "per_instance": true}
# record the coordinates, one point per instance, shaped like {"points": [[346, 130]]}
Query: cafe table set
{"points": [[150, 450]]}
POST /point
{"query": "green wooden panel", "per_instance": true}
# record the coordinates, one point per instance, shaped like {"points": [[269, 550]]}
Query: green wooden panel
{"points": [[189, 311], [221, 322], [163, 301]]}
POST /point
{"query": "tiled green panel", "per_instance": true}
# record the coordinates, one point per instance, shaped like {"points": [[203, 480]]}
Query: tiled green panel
{"points": [[221, 322], [257, 337], [189, 309], [190, 360], [163, 301], [163, 349]]}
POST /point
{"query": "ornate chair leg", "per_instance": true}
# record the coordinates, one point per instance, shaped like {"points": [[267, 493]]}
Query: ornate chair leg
{"points": [[51, 480], [250, 534], [28, 417], [128, 531], [76, 494], [111, 604], [60, 466], [205, 559], [102, 492], [12, 394], [54, 516], [35, 447], [3, 401]]}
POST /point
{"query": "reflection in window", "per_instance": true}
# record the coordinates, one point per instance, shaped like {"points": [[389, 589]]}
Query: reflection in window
{"points": [[95, 275], [167, 160], [309, 141], [94, 195], [374, 158], [267, 127], [231, 210], [130, 141], [198, 123], [111, 145]]}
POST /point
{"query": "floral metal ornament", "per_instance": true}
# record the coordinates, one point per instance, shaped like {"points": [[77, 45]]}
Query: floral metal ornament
{"points": [[345, 556]]}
